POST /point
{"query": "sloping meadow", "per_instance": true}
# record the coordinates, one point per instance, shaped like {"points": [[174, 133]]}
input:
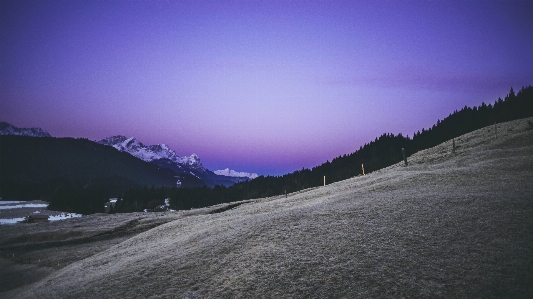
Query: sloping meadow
{"points": [[446, 225]]}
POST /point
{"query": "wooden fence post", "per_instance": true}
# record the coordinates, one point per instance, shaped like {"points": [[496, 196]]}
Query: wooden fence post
{"points": [[324, 180], [453, 145], [363, 167], [404, 156]]}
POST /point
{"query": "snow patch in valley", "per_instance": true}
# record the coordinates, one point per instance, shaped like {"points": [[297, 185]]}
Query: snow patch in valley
{"points": [[11, 220], [10, 202], [29, 205], [63, 216]]}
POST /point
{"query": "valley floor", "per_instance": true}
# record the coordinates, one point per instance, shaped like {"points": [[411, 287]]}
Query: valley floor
{"points": [[445, 226]]}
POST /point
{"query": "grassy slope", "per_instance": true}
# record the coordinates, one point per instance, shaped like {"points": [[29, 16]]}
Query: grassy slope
{"points": [[445, 226]]}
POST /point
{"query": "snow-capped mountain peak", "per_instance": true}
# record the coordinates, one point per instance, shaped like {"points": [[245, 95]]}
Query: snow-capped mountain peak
{"points": [[233, 173], [152, 152], [187, 166], [113, 141], [190, 160], [8, 129]]}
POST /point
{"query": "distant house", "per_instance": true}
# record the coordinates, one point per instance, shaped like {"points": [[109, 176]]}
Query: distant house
{"points": [[36, 218], [110, 205]]}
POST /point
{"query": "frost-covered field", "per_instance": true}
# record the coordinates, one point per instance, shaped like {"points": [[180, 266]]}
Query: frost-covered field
{"points": [[450, 226]]}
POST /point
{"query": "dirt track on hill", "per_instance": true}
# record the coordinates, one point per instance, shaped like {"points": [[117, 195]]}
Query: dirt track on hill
{"points": [[446, 226]]}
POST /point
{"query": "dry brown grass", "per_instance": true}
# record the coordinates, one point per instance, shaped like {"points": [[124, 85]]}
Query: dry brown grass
{"points": [[446, 226]]}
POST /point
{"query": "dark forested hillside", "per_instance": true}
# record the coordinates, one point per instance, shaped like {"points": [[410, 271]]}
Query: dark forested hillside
{"points": [[514, 106], [36, 167]]}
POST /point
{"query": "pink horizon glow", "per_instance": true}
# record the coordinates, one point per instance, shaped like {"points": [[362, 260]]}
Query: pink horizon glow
{"points": [[266, 87]]}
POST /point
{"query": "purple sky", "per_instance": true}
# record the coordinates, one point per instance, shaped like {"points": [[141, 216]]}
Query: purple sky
{"points": [[266, 87]]}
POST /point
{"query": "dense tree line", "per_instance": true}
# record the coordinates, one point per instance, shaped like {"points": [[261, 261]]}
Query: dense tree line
{"points": [[514, 106], [379, 153], [74, 197]]}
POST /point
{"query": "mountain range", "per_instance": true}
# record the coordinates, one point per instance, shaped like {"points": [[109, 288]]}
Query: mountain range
{"points": [[8, 129], [188, 171], [164, 157], [151, 152]]}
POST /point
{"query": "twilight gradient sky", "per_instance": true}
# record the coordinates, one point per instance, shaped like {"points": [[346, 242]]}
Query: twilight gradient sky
{"points": [[259, 86]]}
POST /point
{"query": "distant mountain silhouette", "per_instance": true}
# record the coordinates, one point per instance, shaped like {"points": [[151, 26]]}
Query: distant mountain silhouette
{"points": [[8, 129]]}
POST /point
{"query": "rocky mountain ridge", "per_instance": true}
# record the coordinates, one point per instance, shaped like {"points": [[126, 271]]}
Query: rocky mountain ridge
{"points": [[164, 157], [151, 152], [188, 169], [8, 129]]}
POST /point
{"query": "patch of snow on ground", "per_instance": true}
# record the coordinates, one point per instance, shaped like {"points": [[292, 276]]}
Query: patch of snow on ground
{"points": [[11, 220], [63, 216], [30, 205], [10, 202]]}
